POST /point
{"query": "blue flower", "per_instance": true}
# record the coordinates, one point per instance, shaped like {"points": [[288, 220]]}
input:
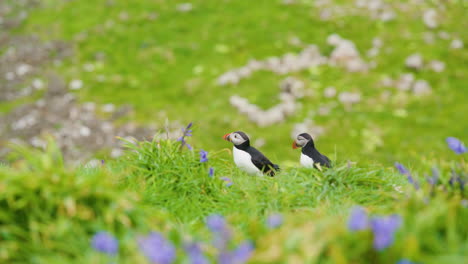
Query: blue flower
{"points": [[196, 254], [216, 223], [401, 168], [404, 261], [274, 220], [203, 156], [358, 219], [227, 180], [456, 145], [157, 249], [105, 243], [186, 132], [406, 172], [384, 230], [435, 177], [219, 227], [211, 171], [238, 256]]}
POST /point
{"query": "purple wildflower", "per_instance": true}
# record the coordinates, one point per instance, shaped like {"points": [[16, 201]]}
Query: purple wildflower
{"points": [[227, 180], [157, 249], [211, 172], [186, 132], [406, 172], [435, 176], [219, 227], [358, 219], [196, 254], [105, 243], [274, 220], [401, 168], [457, 178], [404, 261], [384, 230], [238, 256], [203, 156], [216, 223], [456, 145]]}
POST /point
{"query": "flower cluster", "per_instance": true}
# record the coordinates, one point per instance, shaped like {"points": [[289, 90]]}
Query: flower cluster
{"points": [[222, 235], [203, 156], [456, 145], [195, 254], [274, 220], [457, 178], [157, 249], [406, 172], [186, 132], [105, 243], [154, 246], [227, 180], [383, 227]]}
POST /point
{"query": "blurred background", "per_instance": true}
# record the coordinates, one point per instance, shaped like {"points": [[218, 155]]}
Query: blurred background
{"points": [[373, 81]]}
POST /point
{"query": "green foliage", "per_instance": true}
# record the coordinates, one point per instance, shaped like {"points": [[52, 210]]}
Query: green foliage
{"points": [[49, 211], [162, 171], [165, 63], [47, 207]]}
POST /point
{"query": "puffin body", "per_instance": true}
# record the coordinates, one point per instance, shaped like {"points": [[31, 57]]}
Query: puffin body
{"points": [[310, 156], [248, 158]]}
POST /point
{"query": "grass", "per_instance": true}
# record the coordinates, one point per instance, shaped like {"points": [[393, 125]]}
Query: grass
{"points": [[50, 218], [166, 67]]}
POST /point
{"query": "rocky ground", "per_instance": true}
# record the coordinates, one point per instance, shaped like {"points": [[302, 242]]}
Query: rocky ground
{"points": [[81, 129]]}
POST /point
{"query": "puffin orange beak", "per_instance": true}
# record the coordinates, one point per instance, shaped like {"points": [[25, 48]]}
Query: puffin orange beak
{"points": [[226, 137], [294, 145]]}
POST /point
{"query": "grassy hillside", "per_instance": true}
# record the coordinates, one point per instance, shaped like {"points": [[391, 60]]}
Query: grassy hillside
{"points": [[298, 216], [165, 60], [391, 88]]}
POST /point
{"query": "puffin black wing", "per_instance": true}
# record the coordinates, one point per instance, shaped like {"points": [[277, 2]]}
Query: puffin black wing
{"points": [[323, 161], [262, 162]]}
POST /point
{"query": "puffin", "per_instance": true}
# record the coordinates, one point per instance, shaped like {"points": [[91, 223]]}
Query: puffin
{"points": [[310, 156], [248, 158]]}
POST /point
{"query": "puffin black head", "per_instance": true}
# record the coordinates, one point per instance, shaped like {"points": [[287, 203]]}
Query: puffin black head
{"points": [[302, 140], [237, 138]]}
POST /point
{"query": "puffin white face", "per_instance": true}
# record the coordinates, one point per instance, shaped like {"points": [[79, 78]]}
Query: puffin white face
{"points": [[300, 142], [236, 138]]}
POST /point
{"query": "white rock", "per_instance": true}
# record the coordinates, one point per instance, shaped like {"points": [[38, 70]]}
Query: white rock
{"points": [[334, 39], [9, 76], [116, 152], [430, 18], [108, 108], [76, 84], [437, 66], [414, 61], [405, 82], [421, 87], [329, 92], [85, 131], [456, 44], [184, 7], [37, 84], [89, 67], [23, 69], [349, 97]]}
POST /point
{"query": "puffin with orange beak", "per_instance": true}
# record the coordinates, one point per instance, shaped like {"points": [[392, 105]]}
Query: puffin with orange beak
{"points": [[310, 156], [248, 158]]}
